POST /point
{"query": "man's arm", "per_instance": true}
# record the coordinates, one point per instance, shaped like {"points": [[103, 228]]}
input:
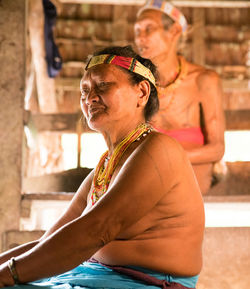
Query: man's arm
{"points": [[210, 90]]}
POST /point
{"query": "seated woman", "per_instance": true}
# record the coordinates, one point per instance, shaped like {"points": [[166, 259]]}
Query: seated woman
{"points": [[137, 220]]}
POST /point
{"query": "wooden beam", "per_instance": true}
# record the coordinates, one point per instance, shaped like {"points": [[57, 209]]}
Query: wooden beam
{"points": [[55, 186], [183, 3], [64, 122], [237, 120], [228, 199], [198, 39], [231, 70], [70, 84], [236, 69], [212, 3], [13, 238], [228, 84], [45, 85], [119, 24], [53, 196], [55, 122]]}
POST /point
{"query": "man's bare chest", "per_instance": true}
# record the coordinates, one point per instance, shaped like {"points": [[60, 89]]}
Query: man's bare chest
{"points": [[178, 108]]}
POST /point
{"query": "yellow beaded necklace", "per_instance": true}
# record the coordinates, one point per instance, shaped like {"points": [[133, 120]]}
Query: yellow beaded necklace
{"points": [[103, 174], [170, 87]]}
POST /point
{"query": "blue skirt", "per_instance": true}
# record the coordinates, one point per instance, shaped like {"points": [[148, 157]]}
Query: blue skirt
{"points": [[96, 276]]}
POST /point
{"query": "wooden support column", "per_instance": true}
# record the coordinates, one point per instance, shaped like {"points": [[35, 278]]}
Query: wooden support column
{"points": [[119, 26], [198, 46], [12, 83], [45, 85], [49, 142]]}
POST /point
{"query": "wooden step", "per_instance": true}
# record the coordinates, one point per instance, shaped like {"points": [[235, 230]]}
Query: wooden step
{"points": [[226, 259], [12, 239]]}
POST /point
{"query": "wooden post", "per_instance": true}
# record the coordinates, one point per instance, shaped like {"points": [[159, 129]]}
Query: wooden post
{"points": [[45, 85], [198, 49], [119, 26], [12, 83]]}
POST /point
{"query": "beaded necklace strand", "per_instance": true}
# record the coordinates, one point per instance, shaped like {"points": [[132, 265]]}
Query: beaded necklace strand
{"points": [[170, 87], [103, 174]]}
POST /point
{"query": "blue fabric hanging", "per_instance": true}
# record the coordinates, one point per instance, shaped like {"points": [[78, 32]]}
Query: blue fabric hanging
{"points": [[53, 57]]}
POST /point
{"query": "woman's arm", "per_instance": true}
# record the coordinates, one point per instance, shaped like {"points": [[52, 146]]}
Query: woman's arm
{"points": [[118, 209], [73, 211]]}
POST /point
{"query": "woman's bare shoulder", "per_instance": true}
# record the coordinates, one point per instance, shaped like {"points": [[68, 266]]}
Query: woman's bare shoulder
{"points": [[162, 143], [166, 150]]}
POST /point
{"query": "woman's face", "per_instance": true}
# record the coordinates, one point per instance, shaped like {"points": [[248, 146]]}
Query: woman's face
{"points": [[107, 96]]}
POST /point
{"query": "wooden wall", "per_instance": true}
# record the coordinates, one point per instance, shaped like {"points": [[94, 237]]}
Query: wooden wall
{"points": [[218, 37]]}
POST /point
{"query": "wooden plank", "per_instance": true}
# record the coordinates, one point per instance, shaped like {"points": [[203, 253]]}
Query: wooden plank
{"points": [[63, 122], [226, 258], [228, 84], [55, 122], [119, 26], [53, 196], [45, 84], [198, 40], [227, 199], [74, 64], [16, 238], [48, 186], [227, 33], [221, 69], [183, 3], [231, 71], [237, 120], [71, 84], [225, 53], [236, 100]]}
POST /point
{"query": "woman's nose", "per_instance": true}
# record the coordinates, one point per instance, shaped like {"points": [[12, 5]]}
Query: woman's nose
{"points": [[91, 97]]}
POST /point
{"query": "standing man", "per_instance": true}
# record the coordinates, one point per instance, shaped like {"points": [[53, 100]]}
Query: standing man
{"points": [[190, 95]]}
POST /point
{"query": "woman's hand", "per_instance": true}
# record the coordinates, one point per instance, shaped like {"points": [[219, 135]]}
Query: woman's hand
{"points": [[5, 276]]}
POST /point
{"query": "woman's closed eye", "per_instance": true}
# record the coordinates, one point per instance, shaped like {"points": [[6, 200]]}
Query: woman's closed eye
{"points": [[103, 87], [149, 29]]}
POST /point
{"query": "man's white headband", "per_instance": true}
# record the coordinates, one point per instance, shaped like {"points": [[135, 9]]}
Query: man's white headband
{"points": [[167, 8]]}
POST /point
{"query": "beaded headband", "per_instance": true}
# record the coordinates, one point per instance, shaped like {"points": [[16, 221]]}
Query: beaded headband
{"points": [[129, 63], [167, 8]]}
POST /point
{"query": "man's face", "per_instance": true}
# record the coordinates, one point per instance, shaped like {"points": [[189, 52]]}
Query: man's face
{"points": [[150, 37]]}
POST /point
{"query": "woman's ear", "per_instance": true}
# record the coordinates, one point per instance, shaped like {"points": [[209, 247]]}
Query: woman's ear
{"points": [[144, 90], [174, 32]]}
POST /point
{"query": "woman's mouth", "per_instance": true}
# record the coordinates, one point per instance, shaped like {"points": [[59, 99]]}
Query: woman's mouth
{"points": [[95, 109]]}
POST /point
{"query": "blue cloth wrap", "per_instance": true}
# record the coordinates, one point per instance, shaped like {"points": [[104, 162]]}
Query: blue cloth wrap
{"points": [[96, 276]]}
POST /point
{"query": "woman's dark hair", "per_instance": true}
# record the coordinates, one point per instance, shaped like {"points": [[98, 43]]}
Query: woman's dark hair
{"points": [[152, 105]]}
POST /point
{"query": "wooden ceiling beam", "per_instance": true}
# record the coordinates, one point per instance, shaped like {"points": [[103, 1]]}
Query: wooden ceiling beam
{"points": [[229, 85], [61, 122], [183, 3]]}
